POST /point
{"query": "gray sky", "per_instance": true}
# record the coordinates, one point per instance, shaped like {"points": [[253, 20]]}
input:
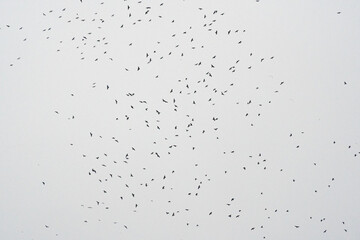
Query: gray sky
{"points": [[236, 120]]}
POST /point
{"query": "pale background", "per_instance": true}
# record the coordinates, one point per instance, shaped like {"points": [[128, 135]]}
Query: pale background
{"points": [[316, 56]]}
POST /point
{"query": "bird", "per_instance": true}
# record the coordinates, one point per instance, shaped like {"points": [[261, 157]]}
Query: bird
{"points": [[195, 113]]}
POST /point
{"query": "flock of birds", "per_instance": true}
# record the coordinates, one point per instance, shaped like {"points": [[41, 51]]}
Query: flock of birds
{"points": [[180, 126]]}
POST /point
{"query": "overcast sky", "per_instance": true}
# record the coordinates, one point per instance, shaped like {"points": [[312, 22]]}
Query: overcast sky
{"points": [[179, 120]]}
